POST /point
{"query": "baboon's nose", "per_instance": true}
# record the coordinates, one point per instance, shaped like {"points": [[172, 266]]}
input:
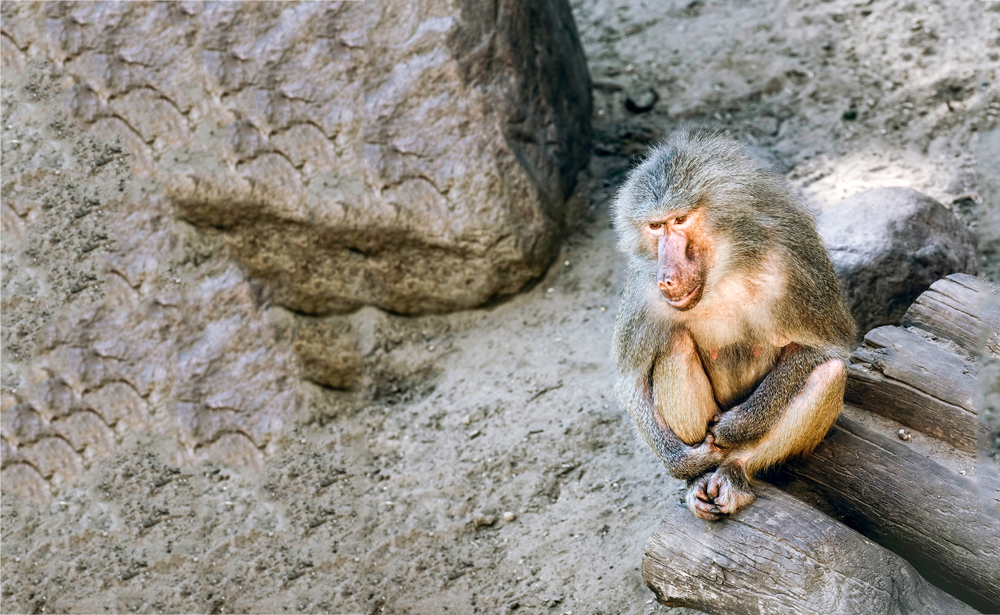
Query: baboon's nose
{"points": [[667, 279]]}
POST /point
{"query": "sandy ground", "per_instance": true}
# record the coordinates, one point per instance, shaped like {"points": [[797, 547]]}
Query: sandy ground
{"points": [[488, 469]]}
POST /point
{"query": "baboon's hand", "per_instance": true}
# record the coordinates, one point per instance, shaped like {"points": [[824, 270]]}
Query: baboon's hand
{"points": [[697, 460], [709, 450], [721, 428]]}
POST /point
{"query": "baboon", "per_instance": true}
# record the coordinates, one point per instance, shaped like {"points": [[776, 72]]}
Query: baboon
{"points": [[731, 340]]}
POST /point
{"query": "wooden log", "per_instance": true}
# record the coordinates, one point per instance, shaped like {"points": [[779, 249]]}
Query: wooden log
{"points": [[781, 556], [951, 309], [916, 382], [933, 517]]}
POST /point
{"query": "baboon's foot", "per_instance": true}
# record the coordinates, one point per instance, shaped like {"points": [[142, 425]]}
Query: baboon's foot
{"points": [[698, 500], [729, 490]]}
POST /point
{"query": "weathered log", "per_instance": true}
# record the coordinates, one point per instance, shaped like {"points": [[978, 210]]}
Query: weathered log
{"points": [[933, 517], [950, 309], [782, 556], [909, 379], [925, 384]]}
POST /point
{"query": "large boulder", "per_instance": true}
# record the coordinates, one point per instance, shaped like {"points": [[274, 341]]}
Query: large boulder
{"points": [[415, 156], [888, 245]]}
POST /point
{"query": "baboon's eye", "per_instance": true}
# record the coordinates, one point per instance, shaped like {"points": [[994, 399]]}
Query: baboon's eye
{"points": [[680, 219], [655, 226]]}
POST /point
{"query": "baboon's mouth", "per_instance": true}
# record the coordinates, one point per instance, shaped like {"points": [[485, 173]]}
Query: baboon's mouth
{"points": [[685, 302]]}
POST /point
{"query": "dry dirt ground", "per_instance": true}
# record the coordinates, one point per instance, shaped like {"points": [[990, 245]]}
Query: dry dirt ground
{"points": [[488, 468]]}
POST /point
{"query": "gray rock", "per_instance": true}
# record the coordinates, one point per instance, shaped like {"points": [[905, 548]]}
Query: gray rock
{"points": [[888, 245], [641, 102], [415, 157]]}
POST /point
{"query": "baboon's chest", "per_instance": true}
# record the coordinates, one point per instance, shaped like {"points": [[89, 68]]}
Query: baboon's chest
{"points": [[737, 369]]}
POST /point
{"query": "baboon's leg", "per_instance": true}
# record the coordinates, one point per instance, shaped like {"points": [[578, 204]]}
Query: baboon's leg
{"points": [[682, 393]]}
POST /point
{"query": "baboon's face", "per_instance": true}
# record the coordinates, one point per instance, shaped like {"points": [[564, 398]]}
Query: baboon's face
{"points": [[683, 250]]}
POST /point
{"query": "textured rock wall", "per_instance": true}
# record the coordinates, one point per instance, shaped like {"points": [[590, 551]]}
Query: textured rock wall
{"points": [[119, 323], [418, 157]]}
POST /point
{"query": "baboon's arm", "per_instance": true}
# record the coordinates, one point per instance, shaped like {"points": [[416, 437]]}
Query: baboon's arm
{"points": [[754, 418]]}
